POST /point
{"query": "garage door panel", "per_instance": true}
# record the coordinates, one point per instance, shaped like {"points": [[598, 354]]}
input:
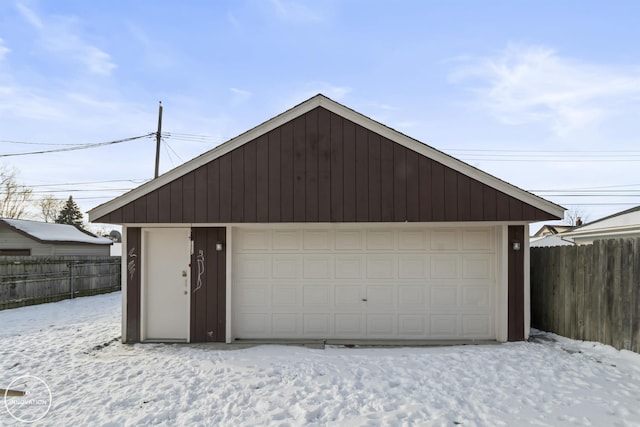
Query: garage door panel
{"points": [[411, 297], [412, 266], [348, 266], [444, 325], [348, 241], [411, 240], [412, 325], [445, 267], [253, 295], [404, 283], [253, 266], [285, 296], [318, 296], [477, 266], [349, 325], [380, 267], [381, 325], [317, 267], [286, 240], [381, 297], [348, 297], [285, 325], [444, 240], [444, 298], [253, 324], [477, 297], [317, 240], [380, 240], [286, 267], [254, 240], [317, 325], [477, 240], [476, 325]]}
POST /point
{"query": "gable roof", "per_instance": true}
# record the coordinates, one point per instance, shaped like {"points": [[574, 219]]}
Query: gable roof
{"points": [[549, 230], [544, 208], [622, 223], [44, 232]]}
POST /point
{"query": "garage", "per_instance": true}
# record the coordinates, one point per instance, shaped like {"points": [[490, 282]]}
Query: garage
{"points": [[364, 283], [322, 223]]}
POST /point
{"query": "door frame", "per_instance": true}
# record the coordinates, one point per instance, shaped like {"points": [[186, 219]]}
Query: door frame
{"points": [[144, 288]]}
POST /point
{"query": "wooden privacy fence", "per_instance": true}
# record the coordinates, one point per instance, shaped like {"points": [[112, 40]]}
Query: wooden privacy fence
{"points": [[27, 280], [589, 292]]}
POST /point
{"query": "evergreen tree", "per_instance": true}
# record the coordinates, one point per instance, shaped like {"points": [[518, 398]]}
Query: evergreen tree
{"points": [[70, 214]]}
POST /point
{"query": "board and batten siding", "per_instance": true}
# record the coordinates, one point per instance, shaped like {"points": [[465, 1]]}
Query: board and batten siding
{"points": [[321, 167]]}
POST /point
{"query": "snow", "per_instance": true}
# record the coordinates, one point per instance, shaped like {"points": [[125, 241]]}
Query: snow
{"points": [[95, 380], [50, 232]]}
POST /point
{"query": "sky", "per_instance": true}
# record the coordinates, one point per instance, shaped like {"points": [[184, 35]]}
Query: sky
{"points": [[542, 94]]}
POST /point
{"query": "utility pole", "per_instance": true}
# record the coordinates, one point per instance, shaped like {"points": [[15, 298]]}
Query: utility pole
{"points": [[158, 135]]}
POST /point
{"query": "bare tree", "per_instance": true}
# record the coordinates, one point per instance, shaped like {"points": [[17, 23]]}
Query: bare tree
{"points": [[50, 207], [575, 216], [14, 197]]}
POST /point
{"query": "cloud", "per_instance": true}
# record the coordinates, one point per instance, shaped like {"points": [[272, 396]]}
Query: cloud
{"points": [[332, 91], [234, 21], [296, 11], [30, 16], [240, 94], [3, 49], [534, 84], [60, 35]]}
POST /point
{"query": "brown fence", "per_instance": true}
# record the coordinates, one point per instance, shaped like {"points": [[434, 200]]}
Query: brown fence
{"points": [[589, 292], [27, 280]]}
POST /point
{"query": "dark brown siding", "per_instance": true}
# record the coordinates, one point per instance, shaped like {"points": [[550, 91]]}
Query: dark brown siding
{"points": [[133, 284], [208, 285], [516, 284], [321, 167]]}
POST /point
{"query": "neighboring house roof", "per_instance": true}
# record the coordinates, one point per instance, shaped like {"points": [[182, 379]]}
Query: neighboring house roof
{"points": [[131, 206], [550, 240], [621, 224], [548, 230], [44, 232]]}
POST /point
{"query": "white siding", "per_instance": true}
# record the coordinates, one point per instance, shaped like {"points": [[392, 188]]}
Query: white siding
{"points": [[10, 239]]}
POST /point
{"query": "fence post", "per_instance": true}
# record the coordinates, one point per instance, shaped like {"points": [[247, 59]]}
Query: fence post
{"points": [[69, 265]]}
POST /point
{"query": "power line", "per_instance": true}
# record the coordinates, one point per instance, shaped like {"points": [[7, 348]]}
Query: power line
{"points": [[133, 181], [207, 139], [555, 160], [79, 147], [590, 188], [573, 152], [83, 190], [590, 195], [37, 143]]}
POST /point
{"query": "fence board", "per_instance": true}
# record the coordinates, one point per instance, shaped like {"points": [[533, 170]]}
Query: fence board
{"points": [[589, 292], [27, 280], [580, 293], [635, 291]]}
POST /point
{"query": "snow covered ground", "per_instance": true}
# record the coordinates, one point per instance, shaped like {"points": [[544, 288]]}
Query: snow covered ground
{"points": [[95, 380]]}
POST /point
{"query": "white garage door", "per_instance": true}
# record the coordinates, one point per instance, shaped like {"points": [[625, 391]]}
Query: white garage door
{"points": [[373, 283]]}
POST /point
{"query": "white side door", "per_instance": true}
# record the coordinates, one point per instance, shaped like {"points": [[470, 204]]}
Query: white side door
{"points": [[166, 299]]}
